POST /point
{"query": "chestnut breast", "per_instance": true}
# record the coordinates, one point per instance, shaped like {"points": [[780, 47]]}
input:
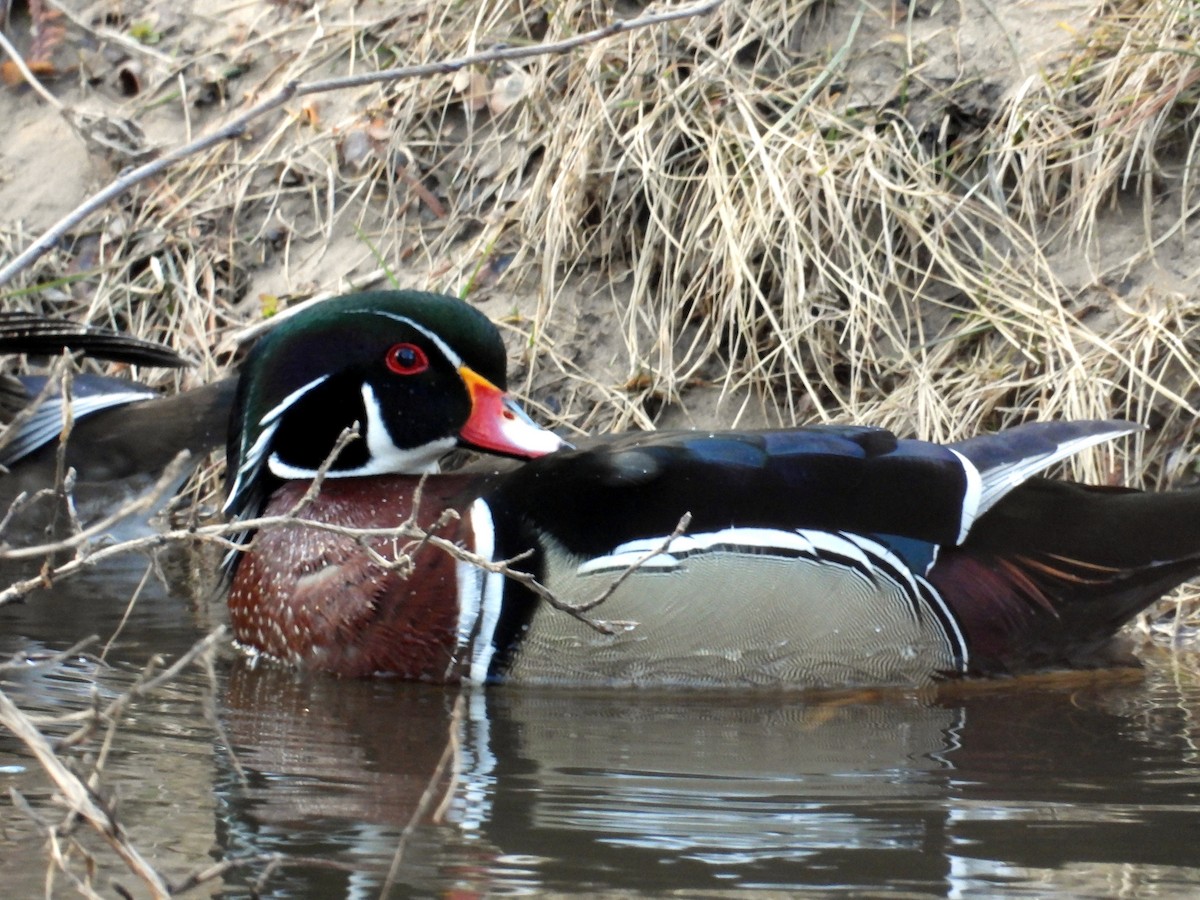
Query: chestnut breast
{"points": [[320, 599]]}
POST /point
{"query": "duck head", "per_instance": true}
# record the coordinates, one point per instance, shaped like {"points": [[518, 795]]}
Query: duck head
{"points": [[419, 373]]}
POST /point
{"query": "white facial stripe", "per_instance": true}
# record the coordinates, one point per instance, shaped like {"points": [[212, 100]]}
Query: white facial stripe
{"points": [[379, 442], [421, 460], [256, 451], [269, 423], [280, 408], [384, 457], [250, 462], [454, 358]]}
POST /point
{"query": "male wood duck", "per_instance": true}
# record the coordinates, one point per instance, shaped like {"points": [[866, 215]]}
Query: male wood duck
{"points": [[815, 557], [124, 434]]}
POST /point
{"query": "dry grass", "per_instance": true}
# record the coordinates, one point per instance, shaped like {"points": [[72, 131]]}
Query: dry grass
{"points": [[717, 184], [1118, 117]]}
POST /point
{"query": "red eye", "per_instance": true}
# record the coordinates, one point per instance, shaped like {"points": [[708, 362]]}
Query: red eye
{"points": [[407, 359]]}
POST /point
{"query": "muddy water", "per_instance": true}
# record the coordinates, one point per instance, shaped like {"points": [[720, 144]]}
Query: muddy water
{"points": [[1069, 787]]}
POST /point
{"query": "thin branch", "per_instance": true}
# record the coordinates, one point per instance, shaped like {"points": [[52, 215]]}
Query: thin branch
{"points": [[81, 799], [146, 683], [23, 661], [272, 861], [236, 128], [684, 521], [19, 61], [347, 437], [81, 537], [13, 426], [432, 791], [52, 838], [231, 536]]}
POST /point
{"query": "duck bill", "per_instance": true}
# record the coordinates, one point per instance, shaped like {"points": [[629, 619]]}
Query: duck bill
{"points": [[499, 425]]}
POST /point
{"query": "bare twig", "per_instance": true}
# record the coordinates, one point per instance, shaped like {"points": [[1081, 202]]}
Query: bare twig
{"points": [[348, 436], [431, 792], [55, 843], [81, 799], [146, 683], [684, 521], [26, 412], [24, 661], [229, 536], [236, 128], [82, 536], [271, 863]]}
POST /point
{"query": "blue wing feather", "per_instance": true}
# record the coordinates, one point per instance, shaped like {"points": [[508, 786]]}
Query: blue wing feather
{"points": [[837, 478]]}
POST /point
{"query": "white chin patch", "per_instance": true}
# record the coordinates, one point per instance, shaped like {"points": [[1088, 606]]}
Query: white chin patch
{"points": [[385, 458]]}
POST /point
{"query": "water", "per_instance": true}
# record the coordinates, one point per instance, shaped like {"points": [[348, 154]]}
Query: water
{"points": [[1080, 785]]}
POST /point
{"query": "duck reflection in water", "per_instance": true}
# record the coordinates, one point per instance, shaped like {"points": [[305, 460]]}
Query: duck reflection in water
{"points": [[526, 789]]}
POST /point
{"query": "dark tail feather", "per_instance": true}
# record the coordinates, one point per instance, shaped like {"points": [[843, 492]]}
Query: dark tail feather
{"points": [[1055, 569], [27, 333]]}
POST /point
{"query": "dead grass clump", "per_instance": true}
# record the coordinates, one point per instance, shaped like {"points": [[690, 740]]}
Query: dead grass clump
{"points": [[1116, 117]]}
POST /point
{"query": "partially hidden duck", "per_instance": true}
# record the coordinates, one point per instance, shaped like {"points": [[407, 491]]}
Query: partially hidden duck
{"points": [[123, 434], [814, 557]]}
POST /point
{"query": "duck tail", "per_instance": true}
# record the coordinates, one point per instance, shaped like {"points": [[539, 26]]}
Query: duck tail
{"points": [[1052, 572]]}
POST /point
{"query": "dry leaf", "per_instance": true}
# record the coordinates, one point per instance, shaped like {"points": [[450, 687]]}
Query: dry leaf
{"points": [[508, 92], [309, 115], [48, 36], [355, 148], [363, 141]]}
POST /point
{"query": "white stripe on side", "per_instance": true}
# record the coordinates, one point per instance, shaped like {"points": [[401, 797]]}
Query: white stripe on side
{"points": [[860, 557], [972, 497], [988, 486], [480, 595], [949, 622], [764, 540]]}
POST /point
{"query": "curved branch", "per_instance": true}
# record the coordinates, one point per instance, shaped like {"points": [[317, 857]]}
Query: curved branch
{"points": [[237, 127]]}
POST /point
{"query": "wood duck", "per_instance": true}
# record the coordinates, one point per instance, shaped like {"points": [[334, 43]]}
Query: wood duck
{"points": [[814, 557], [124, 434]]}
